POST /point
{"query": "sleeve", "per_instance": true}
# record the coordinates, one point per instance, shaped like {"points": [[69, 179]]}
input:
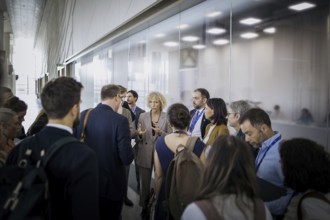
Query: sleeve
{"points": [[193, 212], [125, 150], [83, 186]]}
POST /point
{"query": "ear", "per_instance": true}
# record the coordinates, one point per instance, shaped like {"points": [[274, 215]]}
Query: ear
{"points": [[237, 116], [264, 128], [75, 110]]}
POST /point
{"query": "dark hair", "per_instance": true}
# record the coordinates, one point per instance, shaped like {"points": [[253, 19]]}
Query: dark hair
{"points": [[305, 165], [220, 110], [178, 116], [134, 93], [15, 104], [4, 89], [110, 91], [59, 96], [257, 117], [122, 89], [204, 92], [229, 169]]}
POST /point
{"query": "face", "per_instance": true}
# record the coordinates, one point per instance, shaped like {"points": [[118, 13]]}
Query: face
{"points": [[21, 116], [254, 136], [3, 139], [154, 104], [130, 99], [198, 100], [13, 128], [208, 112], [233, 118], [123, 96]]}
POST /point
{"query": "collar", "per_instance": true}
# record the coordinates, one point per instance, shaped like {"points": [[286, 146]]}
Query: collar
{"points": [[61, 126], [267, 142]]}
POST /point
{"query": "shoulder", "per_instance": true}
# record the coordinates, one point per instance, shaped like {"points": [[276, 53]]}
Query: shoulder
{"points": [[140, 110], [193, 212]]}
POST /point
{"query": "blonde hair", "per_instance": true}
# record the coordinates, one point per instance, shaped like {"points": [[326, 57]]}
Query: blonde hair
{"points": [[158, 96]]}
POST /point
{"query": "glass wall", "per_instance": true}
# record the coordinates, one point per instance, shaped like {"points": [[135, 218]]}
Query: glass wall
{"points": [[271, 53]]}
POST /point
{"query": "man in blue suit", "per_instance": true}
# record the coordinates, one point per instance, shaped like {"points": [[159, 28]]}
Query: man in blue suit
{"points": [[108, 134], [72, 171]]}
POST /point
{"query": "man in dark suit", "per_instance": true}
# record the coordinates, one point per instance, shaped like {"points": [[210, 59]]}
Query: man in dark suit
{"points": [[108, 134], [198, 121], [132, 97], [72, 172]]}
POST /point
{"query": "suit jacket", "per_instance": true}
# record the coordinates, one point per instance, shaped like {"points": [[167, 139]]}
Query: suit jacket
{"points": [[216, 132], [108, 134], [138, 111], [72, 173], [204, 122], [146, 144]]}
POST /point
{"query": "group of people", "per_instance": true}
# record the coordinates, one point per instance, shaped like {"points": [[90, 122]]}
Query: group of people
{"points": [[88, 180]]}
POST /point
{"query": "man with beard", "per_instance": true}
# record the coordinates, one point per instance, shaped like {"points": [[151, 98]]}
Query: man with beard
{"points": [[198, 121], [256, 126], [108, 134], [72, 171]]}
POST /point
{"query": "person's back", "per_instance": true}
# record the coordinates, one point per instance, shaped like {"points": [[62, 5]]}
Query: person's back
{"points": [[229, 184], [72, 171], [107, 133]]}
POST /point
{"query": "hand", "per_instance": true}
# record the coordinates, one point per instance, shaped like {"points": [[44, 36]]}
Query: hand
{"points": [[157, 129], [139, 130]]}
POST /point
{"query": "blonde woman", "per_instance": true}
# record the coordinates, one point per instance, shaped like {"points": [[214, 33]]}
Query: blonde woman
{"points": [[151, 125]]}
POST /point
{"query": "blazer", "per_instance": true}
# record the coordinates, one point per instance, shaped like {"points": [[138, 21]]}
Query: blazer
{"points": [[204, 122], [72, 173], [216, 132], [108, 134], [138, 112], [146, 144]]}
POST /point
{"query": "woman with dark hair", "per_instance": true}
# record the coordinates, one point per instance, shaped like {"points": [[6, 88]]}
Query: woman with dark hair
{"points": [[306, 169], [216, 112], [229, 185], [179, 119]]}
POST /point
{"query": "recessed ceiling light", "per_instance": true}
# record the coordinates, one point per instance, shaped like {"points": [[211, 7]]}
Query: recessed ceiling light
{"points": [[216, 31], [160, 35], [250, 21], [182, 26], [190, 38], [249, 35], [198, 46], [270, 30], [171, 44], [221, 42], [213, 14], [302, 6]]}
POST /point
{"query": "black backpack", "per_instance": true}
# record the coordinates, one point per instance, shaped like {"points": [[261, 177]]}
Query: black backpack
{"points": [[24, 186]]}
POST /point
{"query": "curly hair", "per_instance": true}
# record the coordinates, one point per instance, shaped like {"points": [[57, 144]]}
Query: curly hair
{"points": [[305, 165]]}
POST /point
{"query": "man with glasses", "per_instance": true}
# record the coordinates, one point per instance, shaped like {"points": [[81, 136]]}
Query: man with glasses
{"points": [[256, 126], [107, 133]]}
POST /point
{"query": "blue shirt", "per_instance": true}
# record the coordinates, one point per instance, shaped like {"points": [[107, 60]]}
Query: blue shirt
{"points": [[271, 171]]}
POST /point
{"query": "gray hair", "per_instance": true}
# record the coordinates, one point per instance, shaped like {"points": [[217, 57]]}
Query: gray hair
{"points": [[240, 107]]}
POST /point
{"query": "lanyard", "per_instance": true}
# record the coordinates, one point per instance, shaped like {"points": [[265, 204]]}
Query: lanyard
{"points": [[263, 156]]}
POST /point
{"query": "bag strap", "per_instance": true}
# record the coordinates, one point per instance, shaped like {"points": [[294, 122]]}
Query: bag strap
{"points": [[56, 146], [83, 132], [191, 143], [260, 212], [208, 209], [313, 194]]}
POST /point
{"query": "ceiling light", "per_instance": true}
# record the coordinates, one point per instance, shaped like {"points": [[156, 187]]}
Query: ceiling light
{"points": [[213, 14], [270, 30], [190, 38], [250, 21], [221, 42], [171, 44], [249, 35], [198, 46], [301, 6], [160, 35], [182, 26], [216, 31]]}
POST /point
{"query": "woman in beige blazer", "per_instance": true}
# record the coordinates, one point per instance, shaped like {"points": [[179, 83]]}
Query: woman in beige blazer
{"points": [[216, 112], [151, 125]]}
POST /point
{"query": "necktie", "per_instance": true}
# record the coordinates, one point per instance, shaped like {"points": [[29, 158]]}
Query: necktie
{"points": [[194, 120]]}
